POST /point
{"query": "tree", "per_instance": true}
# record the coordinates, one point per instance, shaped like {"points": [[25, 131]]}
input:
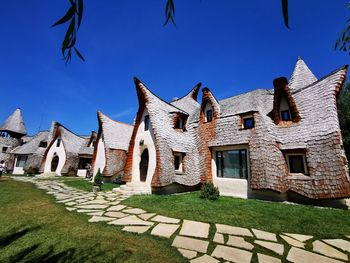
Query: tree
{"points": [[74, 16], [344, 116]]}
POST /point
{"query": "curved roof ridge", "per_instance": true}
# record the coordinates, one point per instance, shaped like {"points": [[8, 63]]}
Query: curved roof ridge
{"points": [[193, 93], [118, 122], [139, 83], [64, 127], [345, 67]]}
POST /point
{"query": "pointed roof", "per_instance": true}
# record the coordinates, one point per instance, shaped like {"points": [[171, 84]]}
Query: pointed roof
{"points": [[116, 134], [14, 123], [301, 76], [33, 145]]}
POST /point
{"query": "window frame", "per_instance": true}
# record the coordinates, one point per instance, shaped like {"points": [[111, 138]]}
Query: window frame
{"points": [[146, 121], [19, 159], [244, 118], [220, 167], [303, 157], [289, 115], [181, 158], [211, 115]]}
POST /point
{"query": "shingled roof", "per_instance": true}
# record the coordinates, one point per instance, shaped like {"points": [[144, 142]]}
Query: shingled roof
{"points": [[32, 146], [116, 135], [301, 76], [14, 123]]}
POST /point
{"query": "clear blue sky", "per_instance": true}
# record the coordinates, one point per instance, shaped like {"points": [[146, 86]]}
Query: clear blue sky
{"points": [[230, 46]]}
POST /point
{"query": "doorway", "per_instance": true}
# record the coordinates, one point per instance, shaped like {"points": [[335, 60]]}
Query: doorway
{"points": [[144, 165], [54, 163]]}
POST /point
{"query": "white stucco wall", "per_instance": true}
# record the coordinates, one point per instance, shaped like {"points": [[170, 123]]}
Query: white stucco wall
{"points": [[61, 153], [230, 186], [100, 161], [148, 143]]}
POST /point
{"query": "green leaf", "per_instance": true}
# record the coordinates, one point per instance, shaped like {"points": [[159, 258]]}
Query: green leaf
{"points": [[80, 11], [285, 12], [70, 13], [79, 54]]}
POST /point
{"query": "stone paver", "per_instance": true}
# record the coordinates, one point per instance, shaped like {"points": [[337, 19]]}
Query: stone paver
{"points": [[195, 229], [165, 219], [205, 259], [339, 243], [100, 219], [164, 230], [187, 253], [292, 241], [327, 250], [146, 216], [232, 254], [232, 230], [95, 202], [114, 203], [136, 229], [275, 247], [71, 208], [134, 211], [71, 203], [298, 255], [219, 238], [116, 214], [87, 210], [131, 220], [301, 238], [239, 242], [267, 259], [92, 206], [116, 208], [191, 244], [264, 235], [100, 213]]}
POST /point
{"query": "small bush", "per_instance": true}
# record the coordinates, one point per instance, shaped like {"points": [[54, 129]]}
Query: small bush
{"points": [[209, 191], [98, 179], [32, 171]]}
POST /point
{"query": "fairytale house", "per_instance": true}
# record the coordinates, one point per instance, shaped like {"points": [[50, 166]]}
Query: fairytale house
{"points": [[111, 147], [30, 153], [12, 134], [66, 153], [284, 140]]}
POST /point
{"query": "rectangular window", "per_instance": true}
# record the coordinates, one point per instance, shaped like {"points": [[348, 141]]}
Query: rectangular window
{"points": [[232, 164], [179, 124], [209, 115], [285, 115], [178, 162], [43, 144], [58, 143], [146, 120], [248, 122], [21, 161], [297, 163], [4, 149]]}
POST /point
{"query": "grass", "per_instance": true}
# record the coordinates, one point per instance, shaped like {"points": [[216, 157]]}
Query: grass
{"points": [[268, 216], [36, 229], [82, 184]]}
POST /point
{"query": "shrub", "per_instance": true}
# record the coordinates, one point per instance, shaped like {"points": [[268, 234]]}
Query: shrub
{"points": [[32, 171], [209, 191], [98, 179]]}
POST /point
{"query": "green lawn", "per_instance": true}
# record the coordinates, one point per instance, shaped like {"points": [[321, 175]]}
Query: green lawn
{"points": [[83, 184], [33, 228], [268, 216]]}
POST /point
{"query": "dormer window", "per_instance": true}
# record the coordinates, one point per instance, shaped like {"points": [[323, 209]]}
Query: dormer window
{"points": [[285, 115], [248, 122], [43, 144], [146, 121], [209, 115], [179, 123], [58, 143]]}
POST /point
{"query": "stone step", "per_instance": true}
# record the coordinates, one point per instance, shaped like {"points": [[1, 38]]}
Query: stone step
{"points": [[136, 184], [133, 188]]}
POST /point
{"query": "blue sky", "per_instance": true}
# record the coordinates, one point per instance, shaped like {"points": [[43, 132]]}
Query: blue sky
{"points": [[230, 46]]}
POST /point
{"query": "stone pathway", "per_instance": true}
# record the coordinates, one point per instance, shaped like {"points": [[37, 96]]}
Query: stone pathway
{"points": [[199, 242]]}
